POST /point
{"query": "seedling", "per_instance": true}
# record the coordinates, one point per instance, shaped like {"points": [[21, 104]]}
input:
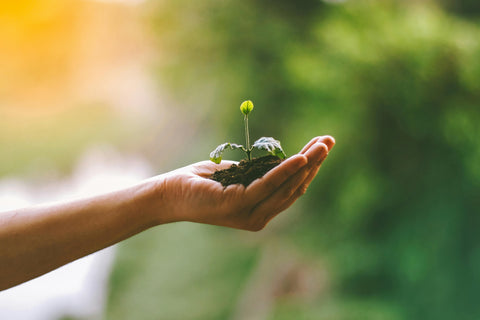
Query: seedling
{"points": [[267, 143]]}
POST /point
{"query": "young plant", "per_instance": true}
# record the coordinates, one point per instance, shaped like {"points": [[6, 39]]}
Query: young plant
{"points": [[267, 143]]}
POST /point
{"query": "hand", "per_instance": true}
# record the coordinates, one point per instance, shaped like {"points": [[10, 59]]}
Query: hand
{"points": [[188, 194], [38, 239]]}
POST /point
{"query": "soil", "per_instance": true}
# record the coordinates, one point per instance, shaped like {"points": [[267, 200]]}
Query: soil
{"points": [[246, 171]]}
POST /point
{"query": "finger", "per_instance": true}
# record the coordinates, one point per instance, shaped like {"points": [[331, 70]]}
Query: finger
{"points": [[295, 186], [314, 171], [282, 197], [329, 141], [273, 205], [297, 194], [303, 187], [316, 154], [283, 206], [315, 161], [263, 187], [309, 145]]}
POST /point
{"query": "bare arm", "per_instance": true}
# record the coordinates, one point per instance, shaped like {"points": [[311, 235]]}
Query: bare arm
{"points": [[36, 240]]}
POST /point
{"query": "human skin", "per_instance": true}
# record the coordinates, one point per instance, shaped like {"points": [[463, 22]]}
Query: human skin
{"points": [[36, 240]]}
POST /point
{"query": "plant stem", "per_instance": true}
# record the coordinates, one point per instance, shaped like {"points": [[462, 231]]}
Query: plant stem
{"points": [[247, 137]]}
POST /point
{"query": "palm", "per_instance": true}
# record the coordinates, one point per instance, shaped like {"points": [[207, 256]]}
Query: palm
{"points": [[189, 187], [194, 197]]}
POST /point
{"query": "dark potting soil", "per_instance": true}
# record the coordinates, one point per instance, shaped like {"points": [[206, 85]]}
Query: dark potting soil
{"points": [[246, 171]]}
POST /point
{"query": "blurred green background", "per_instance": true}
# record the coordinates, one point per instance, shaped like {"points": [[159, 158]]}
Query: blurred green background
{"points": [[389, 228]]}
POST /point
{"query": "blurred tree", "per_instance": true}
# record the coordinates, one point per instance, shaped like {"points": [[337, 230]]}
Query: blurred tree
{"points": [[468, 8], [397, 83]]}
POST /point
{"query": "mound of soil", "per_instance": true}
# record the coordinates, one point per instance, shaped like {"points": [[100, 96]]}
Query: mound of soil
{"points": [[246, 171]]}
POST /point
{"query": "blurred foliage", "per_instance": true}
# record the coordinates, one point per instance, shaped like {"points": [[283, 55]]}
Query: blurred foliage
{"points": [[467, 8], [394, 211], [185, 271]]}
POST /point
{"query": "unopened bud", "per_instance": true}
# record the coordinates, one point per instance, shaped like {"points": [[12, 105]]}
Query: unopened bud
{"points": [[246, 107]]}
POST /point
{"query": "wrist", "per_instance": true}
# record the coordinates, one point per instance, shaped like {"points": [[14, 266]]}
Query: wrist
{"points": [[151, 198]]}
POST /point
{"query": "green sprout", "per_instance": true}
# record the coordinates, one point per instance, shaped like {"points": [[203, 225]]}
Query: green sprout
{"points": [[267, 143]]}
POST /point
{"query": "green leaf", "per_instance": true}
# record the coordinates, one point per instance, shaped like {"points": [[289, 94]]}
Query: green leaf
{"points": [[216, 155], [271, 145]]}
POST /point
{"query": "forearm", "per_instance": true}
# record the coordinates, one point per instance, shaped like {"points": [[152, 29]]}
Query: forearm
{"points": [[36, 240]]}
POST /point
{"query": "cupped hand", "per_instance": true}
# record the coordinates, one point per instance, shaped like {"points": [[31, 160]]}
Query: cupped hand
{"points": [[189, 195]]}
